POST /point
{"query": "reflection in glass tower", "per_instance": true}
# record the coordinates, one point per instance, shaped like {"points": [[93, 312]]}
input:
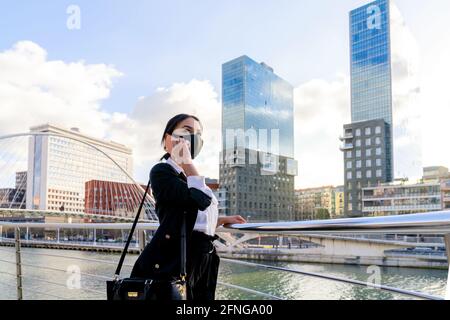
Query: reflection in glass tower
{"points": [[371, 62], [258, 167], [254, 97]]}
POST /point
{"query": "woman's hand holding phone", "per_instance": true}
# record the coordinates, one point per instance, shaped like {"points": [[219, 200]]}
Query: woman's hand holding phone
{"points": [[181, 153]]}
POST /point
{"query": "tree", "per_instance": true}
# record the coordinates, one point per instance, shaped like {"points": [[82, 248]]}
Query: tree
{"points": [[322, 214]]}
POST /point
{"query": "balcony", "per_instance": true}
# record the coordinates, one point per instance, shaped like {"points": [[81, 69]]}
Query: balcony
{"points": [[396, 208], [346, 146], [400, 197], [346, 136]]}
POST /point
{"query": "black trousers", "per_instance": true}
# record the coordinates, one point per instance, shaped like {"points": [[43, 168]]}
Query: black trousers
{"points": [[202, 268]]}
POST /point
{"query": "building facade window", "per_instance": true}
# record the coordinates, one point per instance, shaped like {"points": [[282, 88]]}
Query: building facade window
{"points": [[378, 140], [358, 132], [378, 130], [369, 174], [368, 152], [368, 131]]}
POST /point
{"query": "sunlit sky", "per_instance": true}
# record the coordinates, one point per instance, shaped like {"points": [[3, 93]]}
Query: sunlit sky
{"points": [[133, 65]]}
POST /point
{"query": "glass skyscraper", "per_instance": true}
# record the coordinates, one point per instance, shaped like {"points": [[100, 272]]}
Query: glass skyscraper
{"points": [[367, 141], [371, 83], [254, 97], [257, 168]]}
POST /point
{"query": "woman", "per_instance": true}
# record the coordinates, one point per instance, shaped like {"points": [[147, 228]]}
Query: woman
{"points": [[177, 186]]}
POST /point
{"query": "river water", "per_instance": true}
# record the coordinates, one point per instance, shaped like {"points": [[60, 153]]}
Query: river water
{"points": [[55, 274]]}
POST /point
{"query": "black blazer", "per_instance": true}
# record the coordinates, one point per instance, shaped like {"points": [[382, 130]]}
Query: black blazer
{"points": [[161, 258]]}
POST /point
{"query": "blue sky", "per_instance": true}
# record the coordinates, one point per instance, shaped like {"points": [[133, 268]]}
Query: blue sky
{"points": [[156, 44]]}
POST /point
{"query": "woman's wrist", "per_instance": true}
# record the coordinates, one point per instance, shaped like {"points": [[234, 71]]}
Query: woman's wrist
{"points": [[221, 221], [190, 169]]}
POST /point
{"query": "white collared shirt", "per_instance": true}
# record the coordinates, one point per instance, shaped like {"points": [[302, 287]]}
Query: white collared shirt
{"points": [[207, 219]]}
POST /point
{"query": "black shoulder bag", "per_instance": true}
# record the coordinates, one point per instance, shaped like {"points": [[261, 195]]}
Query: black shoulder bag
{"points": [[148, 289]]}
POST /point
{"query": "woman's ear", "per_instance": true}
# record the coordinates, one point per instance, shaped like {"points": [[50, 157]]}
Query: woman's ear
{"points": [[166, 142]]}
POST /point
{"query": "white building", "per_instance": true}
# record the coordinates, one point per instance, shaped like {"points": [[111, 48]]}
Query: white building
{"points": [[396, 199], [59, 167]]}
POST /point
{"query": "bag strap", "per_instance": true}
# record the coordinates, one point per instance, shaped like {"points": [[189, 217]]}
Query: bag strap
{"points": [[130, 235], [183, 248]]}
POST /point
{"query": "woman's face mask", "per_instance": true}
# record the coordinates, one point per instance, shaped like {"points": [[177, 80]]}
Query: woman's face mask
{"points": [[195, 141]]}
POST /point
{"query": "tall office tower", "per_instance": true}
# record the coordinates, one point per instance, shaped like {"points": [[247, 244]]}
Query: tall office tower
{"points": [[59, 167], [371, 99], [257, 167]]}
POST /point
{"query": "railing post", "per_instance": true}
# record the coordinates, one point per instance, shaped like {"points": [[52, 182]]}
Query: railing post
{"points": [[18, 264], [141, 239], [95, 236], [447, 248], [57, 235]]}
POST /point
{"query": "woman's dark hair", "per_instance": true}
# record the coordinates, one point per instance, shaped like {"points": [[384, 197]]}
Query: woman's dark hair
{"points": [[172, 125]]}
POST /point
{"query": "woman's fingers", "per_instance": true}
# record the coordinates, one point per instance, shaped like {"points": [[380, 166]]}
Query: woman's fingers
{"points": [[238, 219], [181, 151]]}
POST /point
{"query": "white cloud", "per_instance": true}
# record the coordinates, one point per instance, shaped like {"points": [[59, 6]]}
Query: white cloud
{"points": [[321, 109], [435, 94], [34, 90], [142, 129], [406, 99]]}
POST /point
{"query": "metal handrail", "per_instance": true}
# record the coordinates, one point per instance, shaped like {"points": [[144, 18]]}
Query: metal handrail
{"points": [[251, 264], [422, 223], [249, 290], [432, 223], [340, 279], [104, 277], [36, 291]]}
